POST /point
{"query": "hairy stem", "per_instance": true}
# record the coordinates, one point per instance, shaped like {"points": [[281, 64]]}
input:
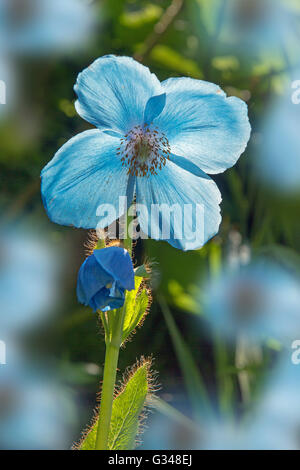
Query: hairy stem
{"points": [[113, 325], [109, 378]]}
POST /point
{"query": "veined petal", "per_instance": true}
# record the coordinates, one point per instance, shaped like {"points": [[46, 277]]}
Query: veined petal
{"points": [[203, 125], [187, 165], [154, 107], [117, 262], [178, 206], [84, 174], [113, 93]]}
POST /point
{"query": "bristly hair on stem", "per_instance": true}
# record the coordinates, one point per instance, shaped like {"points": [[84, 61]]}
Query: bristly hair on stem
{"points": [[153, 387], [144, 286], [93, 239]]}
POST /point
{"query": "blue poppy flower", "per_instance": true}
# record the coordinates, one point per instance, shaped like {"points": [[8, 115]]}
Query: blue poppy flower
{"points": [[28, 279], [155, 141], [8, 86], [259, 301], [276, 421], [257, 27], [103, 278], [277, 163], [37, 410]]}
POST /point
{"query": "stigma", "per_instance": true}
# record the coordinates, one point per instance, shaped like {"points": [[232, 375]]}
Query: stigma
{"points": [[144, 151]]}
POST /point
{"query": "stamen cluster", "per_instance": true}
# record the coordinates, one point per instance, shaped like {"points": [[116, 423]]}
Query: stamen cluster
{"points": [[144, 150]]}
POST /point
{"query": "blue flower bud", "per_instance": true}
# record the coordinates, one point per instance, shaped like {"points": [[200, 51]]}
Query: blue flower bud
{"points": [[103, 278]]}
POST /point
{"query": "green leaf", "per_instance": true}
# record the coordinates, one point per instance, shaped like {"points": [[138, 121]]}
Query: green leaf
{"points": [[127, 408], [126, 411], [141, 271], [89, 441], [138, 19], [182, 299], [209, 12], [173, 60], [193, 380], [225, 63], [136, 305], [173, 414], [283, 255]]}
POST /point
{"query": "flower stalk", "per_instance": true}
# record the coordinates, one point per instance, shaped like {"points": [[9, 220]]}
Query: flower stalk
{"points": [[113, 322], [113, 344]]}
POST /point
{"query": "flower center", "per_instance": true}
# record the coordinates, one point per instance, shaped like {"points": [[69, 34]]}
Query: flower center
{"points": [[144, 151], [250, 12], [248, 300]]}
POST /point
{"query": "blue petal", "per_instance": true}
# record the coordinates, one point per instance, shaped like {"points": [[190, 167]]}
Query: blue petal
{"points": [[103, 277], [203, 125], [100, 300], [154, 107], [113, 93], [187, 165], [107, 302], [46, 25], [117, 262], [115, 299], [277, 161], [175, 186], [92, 278], [85, 173]]}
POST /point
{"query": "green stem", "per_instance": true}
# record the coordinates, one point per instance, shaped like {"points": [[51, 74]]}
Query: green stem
{"points": [[224, 380], [127, 242], [113, 326], [105, 325], [193, 379], [109, 378], [100, 243]]}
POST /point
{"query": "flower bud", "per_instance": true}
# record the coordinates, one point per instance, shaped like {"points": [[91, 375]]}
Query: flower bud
{"points": [[103, 278]]}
